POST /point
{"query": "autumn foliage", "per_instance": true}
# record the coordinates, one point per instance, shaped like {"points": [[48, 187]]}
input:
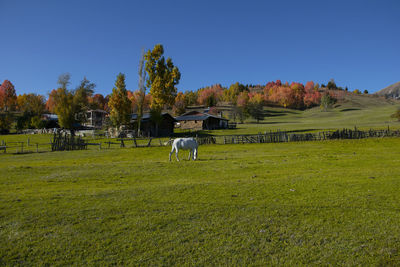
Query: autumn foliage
{"points": [[210, 96], [8, 97], [97, 101], [134, 98], [295, 95]]}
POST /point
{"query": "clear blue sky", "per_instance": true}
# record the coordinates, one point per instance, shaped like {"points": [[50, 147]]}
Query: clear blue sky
{"points": [[355, 42]]}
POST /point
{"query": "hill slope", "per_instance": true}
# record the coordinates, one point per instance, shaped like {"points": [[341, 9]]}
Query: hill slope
{"points": [[392, 91]]}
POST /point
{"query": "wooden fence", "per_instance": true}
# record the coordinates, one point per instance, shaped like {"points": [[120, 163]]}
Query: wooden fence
{"points": [[65, 142], [283, 136]]}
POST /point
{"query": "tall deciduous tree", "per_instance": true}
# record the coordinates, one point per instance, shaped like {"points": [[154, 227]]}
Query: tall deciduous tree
{"points": [[51, 101], [255, 107], [163, 77], [140, 100], [8, 96], [64, 80], [31, 103], [119, 104], [81, 99], [32, 107], [64, 102], [64, 108]]}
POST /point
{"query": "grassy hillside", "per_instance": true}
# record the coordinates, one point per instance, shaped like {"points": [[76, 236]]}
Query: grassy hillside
{"points": [[363, 111], [314, 203], [392, 91]]}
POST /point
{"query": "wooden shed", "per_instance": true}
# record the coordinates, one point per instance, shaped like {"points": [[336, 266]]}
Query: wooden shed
{"points": [[148, 127], [196, 120]]}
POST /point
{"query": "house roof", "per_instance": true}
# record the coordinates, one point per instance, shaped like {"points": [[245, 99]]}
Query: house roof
{"points": [[146, 116], [50, 117], [97, 110], [197, 116]]}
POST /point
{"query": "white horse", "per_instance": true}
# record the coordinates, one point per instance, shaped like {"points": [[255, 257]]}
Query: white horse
{"points": [[184, 144]]}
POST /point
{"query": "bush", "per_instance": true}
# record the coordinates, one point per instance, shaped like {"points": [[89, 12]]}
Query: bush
{"points": [[6, 120], [396, 114]]}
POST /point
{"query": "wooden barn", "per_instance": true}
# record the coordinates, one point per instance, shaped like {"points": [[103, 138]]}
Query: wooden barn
{"points": [[148, 127], [196, 120]]}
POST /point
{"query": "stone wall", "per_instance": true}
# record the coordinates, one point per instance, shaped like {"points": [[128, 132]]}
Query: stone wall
{"points": [[194, 125]]}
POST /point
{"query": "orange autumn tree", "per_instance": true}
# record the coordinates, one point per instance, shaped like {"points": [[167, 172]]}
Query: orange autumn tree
{"points": [[180, 104], [51, 101], [135, 97]]}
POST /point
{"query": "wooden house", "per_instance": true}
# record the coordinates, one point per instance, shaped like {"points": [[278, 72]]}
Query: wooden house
{"points": [[196, 120], [95, 118], [149, 127]]}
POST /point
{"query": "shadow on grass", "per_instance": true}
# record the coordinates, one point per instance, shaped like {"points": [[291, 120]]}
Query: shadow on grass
{"points": [[302, 130], [349, 109], [269, 122]]}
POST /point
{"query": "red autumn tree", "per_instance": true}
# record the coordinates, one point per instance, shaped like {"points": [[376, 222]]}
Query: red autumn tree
{"points": [[97, 101], [8, 96], [312, 96], [210, 96]]}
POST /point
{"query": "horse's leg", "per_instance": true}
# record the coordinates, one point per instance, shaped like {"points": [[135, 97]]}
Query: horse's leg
{"points": [[190, 153], [171, 153], [195, 154], [176, 154]]}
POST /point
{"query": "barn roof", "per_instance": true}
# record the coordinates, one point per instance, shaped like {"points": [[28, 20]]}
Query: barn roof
{"points": [[146, 116], [197, 116]]}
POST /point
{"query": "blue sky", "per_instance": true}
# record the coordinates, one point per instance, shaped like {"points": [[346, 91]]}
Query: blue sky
{"points": [[357, 43]]}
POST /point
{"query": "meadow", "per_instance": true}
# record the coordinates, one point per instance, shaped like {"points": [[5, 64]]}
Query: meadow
{"points": [[306, 203], [363, 112]]}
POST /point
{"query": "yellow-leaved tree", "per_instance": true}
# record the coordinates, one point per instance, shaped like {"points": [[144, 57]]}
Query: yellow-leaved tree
{"points": [[163, 76], [119, 104]]}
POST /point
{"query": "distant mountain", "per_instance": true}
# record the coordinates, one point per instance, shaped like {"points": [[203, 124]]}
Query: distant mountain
{"points": [[392, 91]]}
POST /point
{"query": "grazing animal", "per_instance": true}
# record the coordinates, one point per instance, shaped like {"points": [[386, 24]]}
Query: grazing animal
{"points": [[184, 144]]}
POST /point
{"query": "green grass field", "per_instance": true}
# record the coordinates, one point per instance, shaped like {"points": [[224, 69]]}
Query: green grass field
{"points": [[310, 203]]}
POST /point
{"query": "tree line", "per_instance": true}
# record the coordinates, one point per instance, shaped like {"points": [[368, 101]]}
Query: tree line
{"points": [[160, 76]]}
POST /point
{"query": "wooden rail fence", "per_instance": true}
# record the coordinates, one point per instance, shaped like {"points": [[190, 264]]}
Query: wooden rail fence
{"points": [[64, 142]]}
